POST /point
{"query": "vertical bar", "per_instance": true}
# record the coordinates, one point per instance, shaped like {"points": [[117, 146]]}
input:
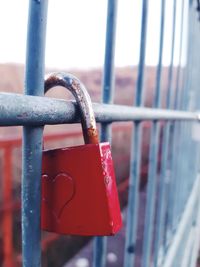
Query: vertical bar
{"points": [[188, 68], [32, 136], [164, 158], [187, 157], [195, 250], [170, 75], [153, 154], [109, 76], [176, 141], [157, 96], [100, 243], [196, 57], [192, 100], [179, 134], [177, 89], [139, 96], [184, 103], [165, 147], [135, 163], [7, 216]]}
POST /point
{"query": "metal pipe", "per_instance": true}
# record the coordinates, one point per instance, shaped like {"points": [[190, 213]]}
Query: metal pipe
{"points": [[166, 142], [169, 97], [179, 132], [153, 155], [32, 137], [100, 243], [17, 110], [135, 162]]}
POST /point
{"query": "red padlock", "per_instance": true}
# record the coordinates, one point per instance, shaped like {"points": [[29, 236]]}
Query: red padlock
{"points": [[79, 193]]}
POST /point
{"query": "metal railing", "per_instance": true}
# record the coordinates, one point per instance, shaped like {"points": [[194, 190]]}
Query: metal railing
{"points": [[172, 217]]}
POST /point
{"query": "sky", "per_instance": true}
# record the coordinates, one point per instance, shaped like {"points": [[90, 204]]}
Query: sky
{"points": [[76, 33]]}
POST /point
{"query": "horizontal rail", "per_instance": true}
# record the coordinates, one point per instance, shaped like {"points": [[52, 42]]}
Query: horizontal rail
{"points": [[16, 109]]}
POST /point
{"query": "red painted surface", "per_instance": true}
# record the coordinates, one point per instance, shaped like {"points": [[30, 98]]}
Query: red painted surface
{"points": [[7, 218], [79, 193]]}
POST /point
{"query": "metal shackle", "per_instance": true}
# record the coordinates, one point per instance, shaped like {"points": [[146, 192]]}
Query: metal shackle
{"points": [[82, 98]]}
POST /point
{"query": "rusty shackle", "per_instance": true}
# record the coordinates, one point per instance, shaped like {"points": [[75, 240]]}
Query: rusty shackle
{"points": [[82, 98]]}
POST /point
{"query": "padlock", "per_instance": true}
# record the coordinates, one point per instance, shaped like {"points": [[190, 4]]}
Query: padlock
{"points": [[79, 193]]}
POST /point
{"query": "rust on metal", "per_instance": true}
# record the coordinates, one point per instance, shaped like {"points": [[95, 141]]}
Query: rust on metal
{"points": [[83, 100], [91, 136]]}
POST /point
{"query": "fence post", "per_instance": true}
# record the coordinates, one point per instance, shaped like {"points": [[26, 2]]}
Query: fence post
{"points": [[32, 137]]}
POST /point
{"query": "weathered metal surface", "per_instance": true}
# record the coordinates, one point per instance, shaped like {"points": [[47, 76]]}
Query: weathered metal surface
{"points": [[32, 137], [83, 100], [135, 162], [153, 153], [34, 111]]}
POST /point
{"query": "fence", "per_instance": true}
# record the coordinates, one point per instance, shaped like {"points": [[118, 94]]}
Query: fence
{"points": [[172, 217]]}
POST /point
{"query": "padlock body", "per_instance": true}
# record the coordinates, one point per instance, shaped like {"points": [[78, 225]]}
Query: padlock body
{"points": [[79, 193]]}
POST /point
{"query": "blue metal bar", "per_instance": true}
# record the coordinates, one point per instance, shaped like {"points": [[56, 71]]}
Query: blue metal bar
{"points": [[177, 88], [192, 99], [166, 135], [27, 110], [188, 98], [32, 137], [176, 139], [139, 94], [100, 243], [189, 146], [153, 154], [135, 163], [151, 191], [171, 67], [177, 105], [108, 78], [188, 72], [183, 105], [162, 189], [174, 182], [157, 95], [195, 248], [131, 228]]}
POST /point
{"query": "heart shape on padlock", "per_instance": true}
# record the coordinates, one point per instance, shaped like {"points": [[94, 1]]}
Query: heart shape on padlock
{"points": [[57, 192]]}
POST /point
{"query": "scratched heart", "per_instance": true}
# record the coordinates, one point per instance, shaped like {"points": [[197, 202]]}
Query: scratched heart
{"points": [[57, 192]]}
